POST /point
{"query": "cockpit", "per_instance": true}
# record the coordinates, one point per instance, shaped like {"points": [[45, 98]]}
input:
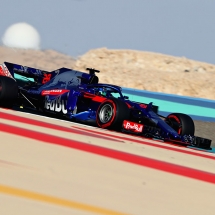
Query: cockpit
{"points": [[105, 91]]}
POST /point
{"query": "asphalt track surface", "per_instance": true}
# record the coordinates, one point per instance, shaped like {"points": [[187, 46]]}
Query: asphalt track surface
{"points": [[50, 166], [206, 130]]}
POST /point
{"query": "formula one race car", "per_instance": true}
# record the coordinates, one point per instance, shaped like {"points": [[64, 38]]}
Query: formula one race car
{"points": [[78, 96]]}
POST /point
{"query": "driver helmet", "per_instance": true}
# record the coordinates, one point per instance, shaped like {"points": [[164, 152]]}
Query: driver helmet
{"points": [[103, 91]]}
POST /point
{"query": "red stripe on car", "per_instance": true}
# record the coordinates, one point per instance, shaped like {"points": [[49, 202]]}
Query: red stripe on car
{"points": [[54, 92]]}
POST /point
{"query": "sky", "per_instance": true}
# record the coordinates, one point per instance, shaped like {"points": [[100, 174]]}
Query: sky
{"points": [[183, 28]]}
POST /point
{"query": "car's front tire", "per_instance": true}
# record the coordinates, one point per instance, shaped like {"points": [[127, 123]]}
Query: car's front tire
{"points": [[182, 123], [111, 114]]}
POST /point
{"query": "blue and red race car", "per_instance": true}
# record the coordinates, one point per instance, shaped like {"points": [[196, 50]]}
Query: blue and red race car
{"points": [[78, 96]]}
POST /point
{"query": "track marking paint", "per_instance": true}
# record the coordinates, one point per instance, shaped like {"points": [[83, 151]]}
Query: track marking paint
{"points": [[97, 134], [49, 125], [165, 146], [56, 201], [110, 153]]}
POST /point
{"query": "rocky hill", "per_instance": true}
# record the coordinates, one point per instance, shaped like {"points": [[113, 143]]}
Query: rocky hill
{"points": [[128, 68], [42, 59]]}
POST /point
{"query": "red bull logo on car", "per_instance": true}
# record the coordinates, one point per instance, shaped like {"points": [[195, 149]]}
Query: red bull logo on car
{"points": [[136, 127], [57, 105]]}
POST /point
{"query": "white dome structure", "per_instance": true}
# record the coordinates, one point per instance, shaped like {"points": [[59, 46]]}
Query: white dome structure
{"points": [[21, 35]]}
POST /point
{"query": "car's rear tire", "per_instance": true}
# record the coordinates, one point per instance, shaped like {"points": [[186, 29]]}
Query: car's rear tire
{"points": [[111, 114], [8, 91], [181, 123]]}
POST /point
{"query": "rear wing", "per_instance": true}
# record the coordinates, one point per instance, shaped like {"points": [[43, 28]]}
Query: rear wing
{"points": [[25, 73], [18, 71]]}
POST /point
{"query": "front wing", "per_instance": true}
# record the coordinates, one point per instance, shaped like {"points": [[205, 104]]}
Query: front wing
{"points": [[156, 133]]}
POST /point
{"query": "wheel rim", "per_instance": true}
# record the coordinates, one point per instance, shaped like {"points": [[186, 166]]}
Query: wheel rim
{"points": [[175, 123], [105, 113]]}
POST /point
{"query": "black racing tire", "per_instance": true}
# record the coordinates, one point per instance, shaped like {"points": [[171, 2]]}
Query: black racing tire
{"points": [[111, 114], [8, 91], [182, 123]]}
